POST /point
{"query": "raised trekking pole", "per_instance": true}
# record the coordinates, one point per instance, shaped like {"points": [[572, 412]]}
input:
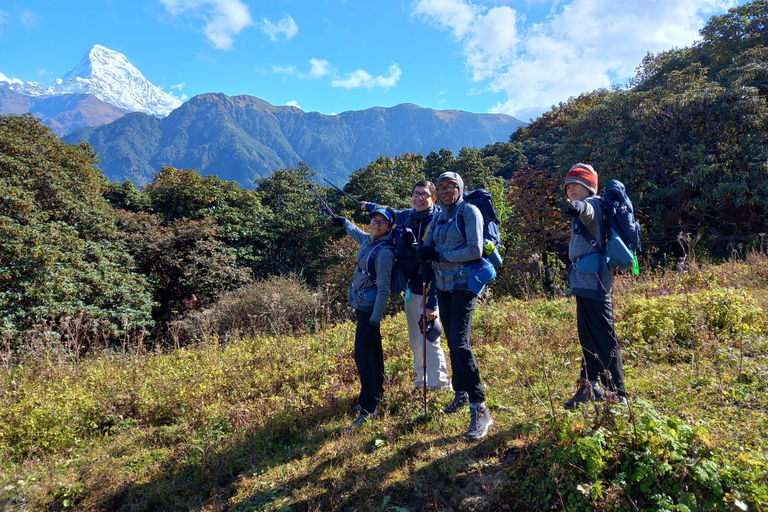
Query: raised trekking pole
{"points": [[322, 201], [340, 190]]}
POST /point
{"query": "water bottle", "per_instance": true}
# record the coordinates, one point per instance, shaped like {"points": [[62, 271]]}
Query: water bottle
{"points": [[407, 294], [635, 264], [490, 251]]}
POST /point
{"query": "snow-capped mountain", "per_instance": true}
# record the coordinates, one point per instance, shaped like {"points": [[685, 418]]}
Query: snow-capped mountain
{"points": [[25, 88], [107, 75]]}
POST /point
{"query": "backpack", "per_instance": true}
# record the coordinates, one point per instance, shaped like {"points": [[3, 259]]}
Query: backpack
{"points": [[481, 198], [397, 279], [623, 231]]}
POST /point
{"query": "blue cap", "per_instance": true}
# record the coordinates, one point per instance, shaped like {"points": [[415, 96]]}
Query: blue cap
{"points": [[385, 212]]}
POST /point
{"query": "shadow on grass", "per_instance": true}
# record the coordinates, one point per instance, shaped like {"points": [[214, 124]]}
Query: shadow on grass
{"points": [[209, 480]]}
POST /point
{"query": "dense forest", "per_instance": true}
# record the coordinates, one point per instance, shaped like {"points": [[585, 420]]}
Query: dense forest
{"points": [[688, 136]]}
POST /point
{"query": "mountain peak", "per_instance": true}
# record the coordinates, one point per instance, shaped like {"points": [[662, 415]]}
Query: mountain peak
{"points": [[108, 75]]}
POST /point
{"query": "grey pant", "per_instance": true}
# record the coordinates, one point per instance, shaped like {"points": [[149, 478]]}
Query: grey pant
{"points": [[437, 368]]}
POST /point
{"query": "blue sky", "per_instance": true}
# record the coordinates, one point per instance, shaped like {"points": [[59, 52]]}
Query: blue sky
{"points": [[329, 56]]}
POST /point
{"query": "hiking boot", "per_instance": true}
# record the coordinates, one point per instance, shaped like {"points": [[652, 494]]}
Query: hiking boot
{"points": [[480, 421], [460, 400], [589, 391], [361, 420]]}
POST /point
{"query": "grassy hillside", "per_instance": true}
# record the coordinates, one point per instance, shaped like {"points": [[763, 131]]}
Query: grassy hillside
{"points": [[258, 423]]}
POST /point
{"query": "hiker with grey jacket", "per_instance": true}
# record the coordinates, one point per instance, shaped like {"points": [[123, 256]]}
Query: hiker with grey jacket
{"points": [[369, 295], [450, 253], [418, 220], [591, 282]]}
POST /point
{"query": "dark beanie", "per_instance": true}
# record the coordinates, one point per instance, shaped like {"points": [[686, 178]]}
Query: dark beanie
{"points": [[584, 174]]}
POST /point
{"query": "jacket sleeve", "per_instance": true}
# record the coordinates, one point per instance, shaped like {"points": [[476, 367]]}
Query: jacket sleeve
{"points": [[473, 249], [385, 260], [355, 232]]}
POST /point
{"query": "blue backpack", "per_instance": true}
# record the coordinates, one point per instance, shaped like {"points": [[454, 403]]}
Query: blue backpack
{"points": [[623, 234]]}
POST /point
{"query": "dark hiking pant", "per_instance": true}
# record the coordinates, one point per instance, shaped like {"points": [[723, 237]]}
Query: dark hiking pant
{"points": [[599, 346], [456, 311], [369, 357]]}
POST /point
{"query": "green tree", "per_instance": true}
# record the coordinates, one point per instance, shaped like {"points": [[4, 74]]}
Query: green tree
{"points": [[245, 224], [296, 229], [60, 251]]}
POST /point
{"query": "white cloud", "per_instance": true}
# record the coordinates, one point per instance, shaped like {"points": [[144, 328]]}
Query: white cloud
{"points": [[224, 18], [320, 68], [286, 27], [581, 46], [361, 78], [489, 36], [29, 19], [292, 104], [285, 70]]}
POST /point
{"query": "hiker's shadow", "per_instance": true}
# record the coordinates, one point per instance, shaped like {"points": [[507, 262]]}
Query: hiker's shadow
{"points": [[457, 480], [206, 479]]}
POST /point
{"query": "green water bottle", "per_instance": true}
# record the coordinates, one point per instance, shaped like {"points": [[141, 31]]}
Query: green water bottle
{"points": [[635, 264]]}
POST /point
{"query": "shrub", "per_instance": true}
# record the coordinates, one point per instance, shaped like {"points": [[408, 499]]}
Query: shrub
{"points": [[673, 322], [275, 305]]}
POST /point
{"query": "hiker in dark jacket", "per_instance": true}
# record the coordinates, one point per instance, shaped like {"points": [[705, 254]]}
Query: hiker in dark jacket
{"points": [[450, 253], [369, 297], [418, 220], [601, 354]]}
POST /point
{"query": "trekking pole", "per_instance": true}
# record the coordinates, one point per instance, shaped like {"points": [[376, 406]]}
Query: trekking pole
{"points": [[322, 201], [424, 330], [340, 190]]}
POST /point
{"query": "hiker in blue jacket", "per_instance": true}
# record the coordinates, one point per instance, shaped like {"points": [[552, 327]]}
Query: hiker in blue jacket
{"points": [[450, 253], [418, 220], [369, 297], [601, 353]]}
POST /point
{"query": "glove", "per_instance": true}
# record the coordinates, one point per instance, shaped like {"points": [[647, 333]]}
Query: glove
{"points": [[427, 253], [373, 333], [337, 220], [408, 238], [575, 208]]}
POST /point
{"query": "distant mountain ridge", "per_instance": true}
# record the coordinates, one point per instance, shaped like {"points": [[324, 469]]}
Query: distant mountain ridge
{"points": [[112, 84], [137, 128], [244, 138]]}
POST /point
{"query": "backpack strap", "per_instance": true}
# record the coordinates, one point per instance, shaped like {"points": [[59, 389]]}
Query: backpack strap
{"points": [[460, 220], [371, 261]]}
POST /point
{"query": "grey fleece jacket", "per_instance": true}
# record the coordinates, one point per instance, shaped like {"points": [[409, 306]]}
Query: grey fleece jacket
{"points": [[366, 294], [582, 284], [455, 251]]}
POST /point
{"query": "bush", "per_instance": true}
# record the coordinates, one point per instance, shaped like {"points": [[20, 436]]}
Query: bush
{"points": [[673, 322], [275, 305]]}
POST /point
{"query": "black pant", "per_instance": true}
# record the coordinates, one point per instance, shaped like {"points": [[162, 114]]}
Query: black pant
{"points": [[599, 346], [456, 311], [369, 357]]}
